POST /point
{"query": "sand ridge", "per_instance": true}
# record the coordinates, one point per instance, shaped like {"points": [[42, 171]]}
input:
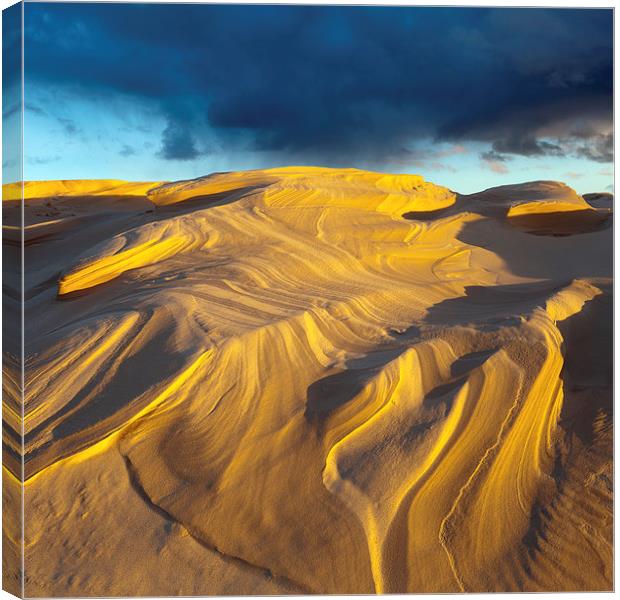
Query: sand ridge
{"points": [[317, 380]]}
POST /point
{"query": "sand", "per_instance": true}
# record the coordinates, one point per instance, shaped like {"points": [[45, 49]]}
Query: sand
{"points": [[306, 380]]}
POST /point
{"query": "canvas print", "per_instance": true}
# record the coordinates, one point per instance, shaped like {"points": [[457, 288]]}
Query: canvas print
{"points": [[306, 299]]}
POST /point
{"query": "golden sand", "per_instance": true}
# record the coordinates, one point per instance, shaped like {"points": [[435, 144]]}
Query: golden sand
{"points": [[313, 380]]}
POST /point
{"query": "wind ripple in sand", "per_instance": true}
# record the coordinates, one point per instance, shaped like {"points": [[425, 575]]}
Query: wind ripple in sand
{"points": [[349, 381]]}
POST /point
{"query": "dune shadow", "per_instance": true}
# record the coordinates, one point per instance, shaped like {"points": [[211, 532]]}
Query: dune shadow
{"points": [[562, 224], [493, 305], [445, 393], [203, 201], [330, 393], [103, 404], [542, 256], [333, 391], [429, 215], [588, 372], [470, 361]]}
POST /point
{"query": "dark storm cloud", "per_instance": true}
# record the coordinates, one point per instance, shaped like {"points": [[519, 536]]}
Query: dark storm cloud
{"points": [[599, 148], [493, 156], [341, 83], [178, 143], [11, 46], [526, 145]]}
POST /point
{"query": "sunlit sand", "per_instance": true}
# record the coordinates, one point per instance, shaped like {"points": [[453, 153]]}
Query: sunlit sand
{"points": [[313, 380]]}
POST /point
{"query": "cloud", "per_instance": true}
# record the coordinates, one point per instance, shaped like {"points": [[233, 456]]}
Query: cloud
{"points": [[9, 111], [453, 150], [68, 126], [427, 166], [42, 160], [340, 85], [178, 143], [127, 150], [527, 146], [33, 108], [11, 46], [439, 166], [494, 162], [425, 157], [496, 167], [493, 156], [599, 148]]}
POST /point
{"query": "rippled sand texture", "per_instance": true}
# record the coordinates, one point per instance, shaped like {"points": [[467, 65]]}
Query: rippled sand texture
{"points": [[315, 380]]}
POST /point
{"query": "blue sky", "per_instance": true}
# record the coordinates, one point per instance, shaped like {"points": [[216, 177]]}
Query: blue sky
{"points": [[469, 98]]}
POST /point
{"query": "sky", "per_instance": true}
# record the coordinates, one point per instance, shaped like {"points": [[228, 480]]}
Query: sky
{"points": [[467, 97]]}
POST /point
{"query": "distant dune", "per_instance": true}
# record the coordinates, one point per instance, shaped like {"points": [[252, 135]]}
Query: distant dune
{"points": [[312, 380]]}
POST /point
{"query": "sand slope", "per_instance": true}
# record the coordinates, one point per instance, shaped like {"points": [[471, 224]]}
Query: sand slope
{"points": [[314, 380]]}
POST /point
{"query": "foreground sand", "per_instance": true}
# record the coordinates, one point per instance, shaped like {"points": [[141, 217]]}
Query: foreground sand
{"points": [[313, 380]]}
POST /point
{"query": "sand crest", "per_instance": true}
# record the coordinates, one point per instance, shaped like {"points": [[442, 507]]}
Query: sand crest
{"points": [[313, 380]]}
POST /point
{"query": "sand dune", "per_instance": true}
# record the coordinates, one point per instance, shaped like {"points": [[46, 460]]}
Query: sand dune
{"points": [[312, 380]]}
